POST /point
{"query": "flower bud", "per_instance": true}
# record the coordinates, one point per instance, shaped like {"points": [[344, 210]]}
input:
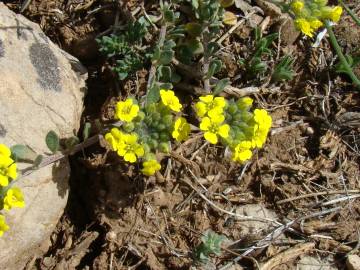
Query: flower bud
{"points": [[146, 148], [237, 117], [161, 127], [164, 137], [148, 121], [168, 120], [154, 135], [164, 147], [139, 117], [149, 156], [232, 109], [156, 116], [128, 127], [153, 144]]}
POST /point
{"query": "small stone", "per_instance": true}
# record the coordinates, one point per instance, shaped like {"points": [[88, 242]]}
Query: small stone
{"points": [[309, 131], [353, 262]]}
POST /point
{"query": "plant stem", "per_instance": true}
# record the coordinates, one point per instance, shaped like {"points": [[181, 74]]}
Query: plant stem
{"points": [[205, 42], [341, 56], [351, 13], [154, 65]]}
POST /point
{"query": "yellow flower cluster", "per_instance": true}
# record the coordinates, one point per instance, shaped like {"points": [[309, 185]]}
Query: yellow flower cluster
{"points": [[233, 124], [210, 110], [11, 197], [125, 145], [147, 129], [262, 126], [310, 14]]}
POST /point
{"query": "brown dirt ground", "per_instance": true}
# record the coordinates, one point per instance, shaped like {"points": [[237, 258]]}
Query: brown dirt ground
{"points": [[117, 219]]}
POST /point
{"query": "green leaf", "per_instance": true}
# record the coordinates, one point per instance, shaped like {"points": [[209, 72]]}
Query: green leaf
{"points": [[220, 86], [86, 130], [71, 142], [195, 46], [52, 141], [193, 29], [24, 153], [352, 61], [213, 47], [164, 73], [166, 57], [214, 67], [38, 161], [153, 94]]}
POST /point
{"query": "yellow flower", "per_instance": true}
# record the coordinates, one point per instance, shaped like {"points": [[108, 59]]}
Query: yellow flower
{"points": [[181, 129], [3, 226], [315, 24], [114, 137], [262, 126], [336, 14], [242, 151], [126, 110], [14, 198], [331, 13], [245, 103], [208, 105], [213, 127], [297, 6], [7, 166], [304, 26], [169, 99], [150, 167], [129, 148], [262, 118]]}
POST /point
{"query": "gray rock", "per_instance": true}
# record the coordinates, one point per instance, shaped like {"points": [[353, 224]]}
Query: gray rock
{"points": [[256, 211], [312, 263], [353, 262], [41, 89]]}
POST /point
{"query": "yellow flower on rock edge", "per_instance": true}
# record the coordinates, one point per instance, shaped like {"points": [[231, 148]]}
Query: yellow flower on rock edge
{"points": [[129, 148], [208, 105], [262, 126], [7, 166], [14, 198], [213, 127], [242, 151], [303, 25], [150, 167], [126, 110], [181, 129], [4, 150], [169, 99], [3, 226]]}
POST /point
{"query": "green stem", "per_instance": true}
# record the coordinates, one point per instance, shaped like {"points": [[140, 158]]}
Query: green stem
{"points": [[351, 13], [341, 56]]}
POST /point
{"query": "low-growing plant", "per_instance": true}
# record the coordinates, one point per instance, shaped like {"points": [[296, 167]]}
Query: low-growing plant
{"points": [[233, 124], [210, 245], [147, 129], [125, 49], [256, 63], [283, 70]]}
